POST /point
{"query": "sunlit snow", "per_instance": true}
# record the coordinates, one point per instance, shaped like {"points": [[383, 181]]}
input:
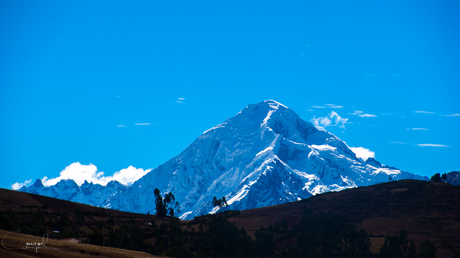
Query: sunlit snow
{"points": [[262, 156]]}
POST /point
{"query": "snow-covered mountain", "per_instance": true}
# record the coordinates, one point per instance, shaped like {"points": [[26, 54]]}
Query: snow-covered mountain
{"points": [[264, 155]]}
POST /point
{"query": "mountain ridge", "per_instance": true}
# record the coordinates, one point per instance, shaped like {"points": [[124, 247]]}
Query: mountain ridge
{"points": [[264, 155]]}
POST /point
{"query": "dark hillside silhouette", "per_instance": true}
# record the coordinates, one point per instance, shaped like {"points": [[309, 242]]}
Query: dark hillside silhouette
{"points": [[399, 217]]}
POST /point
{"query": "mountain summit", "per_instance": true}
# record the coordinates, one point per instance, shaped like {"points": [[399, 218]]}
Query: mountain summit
{"points": [[264, 155]]}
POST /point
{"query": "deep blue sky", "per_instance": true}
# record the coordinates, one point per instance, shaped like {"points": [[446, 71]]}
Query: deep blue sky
{"points": [[77, 76]]}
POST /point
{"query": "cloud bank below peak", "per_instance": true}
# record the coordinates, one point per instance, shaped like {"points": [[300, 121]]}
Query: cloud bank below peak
{"points": [[17, 185], [363, 153], [81, 173]]}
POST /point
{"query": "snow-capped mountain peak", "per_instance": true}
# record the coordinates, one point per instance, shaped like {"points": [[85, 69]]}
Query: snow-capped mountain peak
{"points": [[264, 155]]}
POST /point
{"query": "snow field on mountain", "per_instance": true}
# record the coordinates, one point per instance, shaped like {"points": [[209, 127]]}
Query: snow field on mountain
{"points": [[264, 155]]}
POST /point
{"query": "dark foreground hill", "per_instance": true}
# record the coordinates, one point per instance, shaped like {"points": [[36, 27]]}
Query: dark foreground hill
{"points": [[425, 210]]}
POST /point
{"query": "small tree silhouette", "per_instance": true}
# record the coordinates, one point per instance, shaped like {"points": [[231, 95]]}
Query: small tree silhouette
{"points": [[444, 177], [167, 206], [219, 202], [436, 178]]}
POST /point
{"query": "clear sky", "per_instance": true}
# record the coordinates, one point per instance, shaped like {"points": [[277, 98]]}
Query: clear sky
{"points": [[133, 83]]}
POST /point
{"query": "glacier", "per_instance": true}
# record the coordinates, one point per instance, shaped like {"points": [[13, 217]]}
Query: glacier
{"points": [[264, 155]]}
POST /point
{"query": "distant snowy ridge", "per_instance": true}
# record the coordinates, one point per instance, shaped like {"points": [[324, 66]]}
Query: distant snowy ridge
{"points": [[264, 155], [82, 173]]}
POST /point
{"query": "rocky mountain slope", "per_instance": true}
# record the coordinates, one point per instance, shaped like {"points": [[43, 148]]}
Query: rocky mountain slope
{"points": [[453, 178]]}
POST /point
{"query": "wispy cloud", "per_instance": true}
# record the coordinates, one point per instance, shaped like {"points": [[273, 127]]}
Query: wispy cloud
{"points": [[452, 115], [333, 119], [81, 173], [417, 129], [367, 115], [17, 186], [432, 145], [424, 112], [121, 125], [363, 153], [424, 144], [145, 124], [400, 142], [180, 100], [333, 106], [328, 106], [362, 114]]}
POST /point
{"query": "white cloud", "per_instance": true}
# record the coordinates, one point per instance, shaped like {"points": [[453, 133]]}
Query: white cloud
{"points": [[361, 114], [431, 145], [128, 175], [333, 106], [121, 125], [180, 100], [328, 106], [17, 186], [143, 124], [79, 173], [424, 112], [367, 115], [423, 144], [363, 153], [453, 115], [333, 119], [417, 129], [321, 121]]}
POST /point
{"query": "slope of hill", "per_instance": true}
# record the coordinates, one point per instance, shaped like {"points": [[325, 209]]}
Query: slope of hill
{"points": [[14, 247], [426, 210], [265, 155], [40, 215]]}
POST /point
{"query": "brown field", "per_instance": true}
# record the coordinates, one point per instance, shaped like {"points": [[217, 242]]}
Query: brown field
{"points": [[13, 245], [426, 210]]}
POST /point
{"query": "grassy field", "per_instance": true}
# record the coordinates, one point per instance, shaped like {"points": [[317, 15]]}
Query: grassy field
{"points": [[14, 245]]}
